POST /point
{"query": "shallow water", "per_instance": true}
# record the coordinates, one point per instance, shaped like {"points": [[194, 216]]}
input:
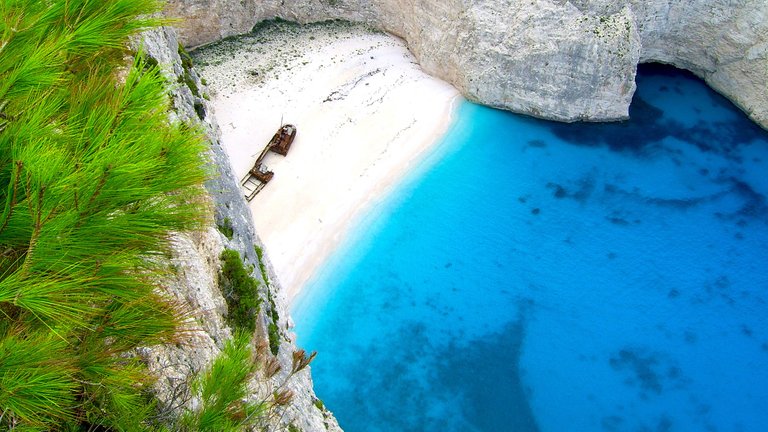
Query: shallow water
{"points": [[543, 276]]}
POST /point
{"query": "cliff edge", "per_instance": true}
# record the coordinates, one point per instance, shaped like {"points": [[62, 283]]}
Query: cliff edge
{"points": [[196, 268]]}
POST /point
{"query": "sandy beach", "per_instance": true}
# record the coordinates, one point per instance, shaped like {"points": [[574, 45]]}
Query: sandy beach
{"points": [[365, 114]]}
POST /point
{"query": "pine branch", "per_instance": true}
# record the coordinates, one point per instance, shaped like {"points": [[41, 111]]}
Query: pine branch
{"points": [[10, 205]]}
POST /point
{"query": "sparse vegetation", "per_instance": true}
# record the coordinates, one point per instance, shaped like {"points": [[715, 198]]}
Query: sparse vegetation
{"points": [[223, 390], [225, 227], [187, 79], [199, 109], [273, 330], [227, 404], [271, 49], [271, 23], [262, 266], [319, 404], [274, 338], [240, 290]]}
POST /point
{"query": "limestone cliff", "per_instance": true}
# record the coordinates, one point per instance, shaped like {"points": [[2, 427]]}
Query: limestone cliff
{"points": [[556, 59], [564, 60], [195, 264]]}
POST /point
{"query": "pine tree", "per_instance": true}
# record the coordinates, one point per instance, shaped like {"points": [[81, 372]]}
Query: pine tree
{"points": [[93, 177]]}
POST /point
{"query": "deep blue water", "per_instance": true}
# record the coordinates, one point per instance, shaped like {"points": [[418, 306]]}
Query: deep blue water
{"points": [[543, 276]]}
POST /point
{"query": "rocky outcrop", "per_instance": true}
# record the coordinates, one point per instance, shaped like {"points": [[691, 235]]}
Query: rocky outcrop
{"points": [[723, 41], [556, 59], [195, 265]]}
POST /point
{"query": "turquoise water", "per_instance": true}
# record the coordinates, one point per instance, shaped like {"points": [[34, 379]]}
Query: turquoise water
{"points": [[542, 276]]}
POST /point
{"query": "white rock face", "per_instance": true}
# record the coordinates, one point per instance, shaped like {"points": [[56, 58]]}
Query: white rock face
{"points": [[723, 41], [556, 59], [205, 21]]}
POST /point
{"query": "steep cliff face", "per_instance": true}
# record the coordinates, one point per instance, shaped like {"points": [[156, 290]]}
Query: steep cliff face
{"points": [[195, 264], [563, 60], [723, 41]]}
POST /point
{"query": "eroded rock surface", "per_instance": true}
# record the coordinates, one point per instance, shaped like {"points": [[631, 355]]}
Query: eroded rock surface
{"points": [[562, 60]]}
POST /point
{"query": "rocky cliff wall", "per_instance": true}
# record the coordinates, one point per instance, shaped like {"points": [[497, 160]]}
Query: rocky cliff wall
{"points": [[556, 59], [195, 265]]}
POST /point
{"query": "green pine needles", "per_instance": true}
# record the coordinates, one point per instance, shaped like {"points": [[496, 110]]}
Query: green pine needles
{"points": [[92, 179], [223, 389]]}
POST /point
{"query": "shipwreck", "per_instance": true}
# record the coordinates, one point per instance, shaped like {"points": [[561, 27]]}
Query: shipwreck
{"points": [[258, 176]]}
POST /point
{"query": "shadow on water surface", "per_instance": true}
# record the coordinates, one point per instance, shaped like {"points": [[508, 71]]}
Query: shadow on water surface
{"points": [[648, 125]]}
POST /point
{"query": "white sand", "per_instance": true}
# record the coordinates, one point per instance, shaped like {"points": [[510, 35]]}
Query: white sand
{"points": [[365, 114]]}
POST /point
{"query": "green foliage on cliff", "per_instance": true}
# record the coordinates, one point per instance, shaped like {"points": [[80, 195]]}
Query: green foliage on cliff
{"points": [[92, 179], [226, 228], [273, 331], [240, 290], [223, 388]]}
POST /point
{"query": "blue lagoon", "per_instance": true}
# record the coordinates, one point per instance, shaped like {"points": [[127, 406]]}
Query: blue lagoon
{"points": [[559, 277]]}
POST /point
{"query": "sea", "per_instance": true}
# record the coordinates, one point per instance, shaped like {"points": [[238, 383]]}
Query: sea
{"points": [[542, 276]]}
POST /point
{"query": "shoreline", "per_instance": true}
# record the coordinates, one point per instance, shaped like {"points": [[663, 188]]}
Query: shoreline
{"points": [[366, 115]]}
